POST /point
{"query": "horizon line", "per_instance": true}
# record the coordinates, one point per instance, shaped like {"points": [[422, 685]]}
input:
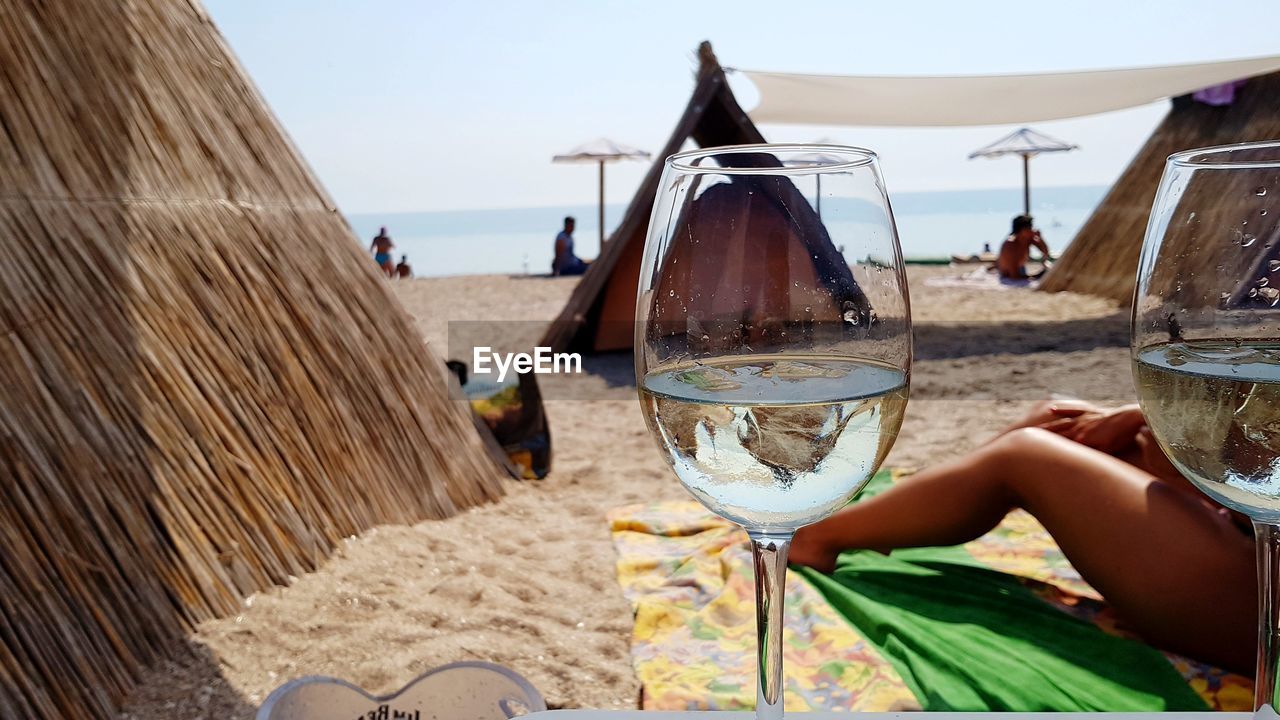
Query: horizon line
{"points": [[590, 205]]}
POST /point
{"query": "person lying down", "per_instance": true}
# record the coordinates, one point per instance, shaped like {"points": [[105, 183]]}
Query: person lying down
{"points": [[1176, 567]]}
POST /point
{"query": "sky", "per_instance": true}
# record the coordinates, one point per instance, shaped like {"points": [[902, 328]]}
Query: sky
{"points": [[421, 105]]}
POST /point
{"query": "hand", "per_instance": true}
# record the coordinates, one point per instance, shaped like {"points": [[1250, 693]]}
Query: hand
{"points": [[809, 549], [1064, 416], [1111, 432]]}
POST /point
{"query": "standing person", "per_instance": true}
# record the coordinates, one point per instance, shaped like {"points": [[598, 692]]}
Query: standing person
{"points": [[381, 249], [565, 262], [1015, 251], [403, 271]]}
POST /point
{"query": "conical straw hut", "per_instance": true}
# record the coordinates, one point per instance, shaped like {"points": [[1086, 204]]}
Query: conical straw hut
{"points": [[1103, 257], [205, 384], [600, 315]]}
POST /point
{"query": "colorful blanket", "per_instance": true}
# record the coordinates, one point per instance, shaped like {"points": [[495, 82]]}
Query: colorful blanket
{"points": [[1002, 623]]}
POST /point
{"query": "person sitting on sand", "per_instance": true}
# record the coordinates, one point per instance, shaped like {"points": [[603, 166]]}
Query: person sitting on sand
{"points": [[1175, 567], [403, 271], [381, 249], [565, 262], [1015, 251]]}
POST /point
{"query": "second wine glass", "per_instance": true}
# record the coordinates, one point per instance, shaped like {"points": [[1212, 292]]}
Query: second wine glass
{"points": [[1206, 347], [773, 344]]}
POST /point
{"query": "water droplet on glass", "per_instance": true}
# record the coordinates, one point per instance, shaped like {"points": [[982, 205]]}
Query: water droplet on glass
{"points": [[1260, 191], [1253, 292], [1225, 296], [671, 293], [1247, 240], [1263, 211], [1270, 294], [1274, 265], [851, 317], [808, 309], [1262, 282]]}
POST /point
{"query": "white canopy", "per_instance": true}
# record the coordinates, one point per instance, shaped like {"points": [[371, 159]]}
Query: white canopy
{"points": [[981, 99]]}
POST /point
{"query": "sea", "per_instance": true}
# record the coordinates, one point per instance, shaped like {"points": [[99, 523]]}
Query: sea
{"points": [[518, 241]]}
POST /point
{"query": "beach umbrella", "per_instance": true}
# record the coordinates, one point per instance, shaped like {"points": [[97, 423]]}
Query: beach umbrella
{"points": [[815, 159], [1027, 143], [600, 151]]}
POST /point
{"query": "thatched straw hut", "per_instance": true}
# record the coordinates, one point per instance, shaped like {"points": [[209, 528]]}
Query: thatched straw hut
{"points": [[206, 385], [1103, 258], [600, 315]]}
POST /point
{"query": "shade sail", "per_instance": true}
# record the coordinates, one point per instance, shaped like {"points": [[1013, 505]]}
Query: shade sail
{"points": [[872, 100]]}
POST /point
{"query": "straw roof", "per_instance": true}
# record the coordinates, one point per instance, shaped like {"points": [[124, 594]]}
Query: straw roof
{"points": [[205, 383], [1103, 257]]}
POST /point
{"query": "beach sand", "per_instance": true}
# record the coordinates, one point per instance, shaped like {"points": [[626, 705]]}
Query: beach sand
{"points": [[528, 582]]}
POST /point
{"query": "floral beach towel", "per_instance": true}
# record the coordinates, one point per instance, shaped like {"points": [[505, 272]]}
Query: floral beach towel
{"points": [[1001, 624]]}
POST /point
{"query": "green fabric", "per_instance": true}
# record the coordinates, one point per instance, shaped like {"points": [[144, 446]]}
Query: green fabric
{"points": [[967, 638]]}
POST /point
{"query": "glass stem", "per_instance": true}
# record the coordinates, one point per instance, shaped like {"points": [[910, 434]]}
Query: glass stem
{"points": [[769, 553], [1267, 540]]}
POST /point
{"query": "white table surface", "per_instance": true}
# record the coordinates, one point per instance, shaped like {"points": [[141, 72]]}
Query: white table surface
{"points": [[699, 715]]}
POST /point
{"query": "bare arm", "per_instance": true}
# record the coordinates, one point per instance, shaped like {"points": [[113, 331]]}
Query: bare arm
{"points": [[1041, 245]]}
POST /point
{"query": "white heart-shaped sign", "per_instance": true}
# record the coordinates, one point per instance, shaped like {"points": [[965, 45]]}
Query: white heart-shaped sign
{"points": [[461, 691]]}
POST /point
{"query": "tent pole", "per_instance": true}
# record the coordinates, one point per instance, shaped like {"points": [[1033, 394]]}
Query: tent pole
{"points": [[1026, 184], [818, 205], [601, 206]]}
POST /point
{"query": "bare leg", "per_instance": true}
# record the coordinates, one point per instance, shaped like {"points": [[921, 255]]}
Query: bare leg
{"points": [[1177, 571]]}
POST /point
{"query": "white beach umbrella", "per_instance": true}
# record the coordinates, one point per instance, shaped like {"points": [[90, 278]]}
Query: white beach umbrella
{"points": [[815, 159], [1027, 143], [600, 151]]}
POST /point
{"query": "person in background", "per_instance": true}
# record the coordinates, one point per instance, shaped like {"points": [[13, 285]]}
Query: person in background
{"points": [[403, 271], [565, 262], [381, 249], [1015, 251]]}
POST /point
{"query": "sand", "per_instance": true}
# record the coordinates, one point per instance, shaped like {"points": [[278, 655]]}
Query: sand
{"points": [[529, 582]]}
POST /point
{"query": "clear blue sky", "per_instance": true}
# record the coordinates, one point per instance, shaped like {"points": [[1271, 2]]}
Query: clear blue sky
{"points": [[406, 105]]}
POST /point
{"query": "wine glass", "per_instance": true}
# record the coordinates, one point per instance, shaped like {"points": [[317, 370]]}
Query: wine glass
{"points": [[773, 345], [1206, 344]]}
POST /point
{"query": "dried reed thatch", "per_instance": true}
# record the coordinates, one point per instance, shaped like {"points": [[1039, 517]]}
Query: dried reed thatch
{"points": [[1103, 258], [204, 384]]}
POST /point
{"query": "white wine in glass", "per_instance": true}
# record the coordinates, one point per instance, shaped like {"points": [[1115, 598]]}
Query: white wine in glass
{"points": [[773, 345], [1206, 345]]}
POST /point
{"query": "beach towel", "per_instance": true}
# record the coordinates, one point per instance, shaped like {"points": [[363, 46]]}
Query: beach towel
{"points": [[980, 279], [1000, 624]]}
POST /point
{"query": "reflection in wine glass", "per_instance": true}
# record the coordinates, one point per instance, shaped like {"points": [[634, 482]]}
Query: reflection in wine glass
{"points": [[773, 346]]}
